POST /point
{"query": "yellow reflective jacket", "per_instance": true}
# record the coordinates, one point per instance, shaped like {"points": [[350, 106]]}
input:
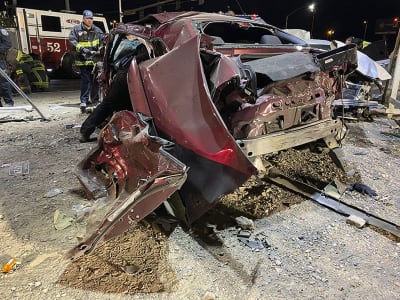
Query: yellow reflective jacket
{"points": [[80, 37]]}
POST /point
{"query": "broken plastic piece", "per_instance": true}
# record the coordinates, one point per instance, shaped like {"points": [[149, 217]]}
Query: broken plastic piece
{"points": [[9, 265], [70, 126], [254, 244], [61, 221], [244, 233], [356, 221]]}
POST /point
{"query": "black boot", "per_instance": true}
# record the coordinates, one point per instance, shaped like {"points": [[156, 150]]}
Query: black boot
{"points": [[83, 138]]}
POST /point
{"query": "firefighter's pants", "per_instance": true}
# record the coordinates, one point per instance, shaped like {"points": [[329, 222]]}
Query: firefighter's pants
{"points": [[89, 86]]}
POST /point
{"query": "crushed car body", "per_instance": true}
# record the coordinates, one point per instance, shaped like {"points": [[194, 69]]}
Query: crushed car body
{"points": [[362, 90], [201, 117]]}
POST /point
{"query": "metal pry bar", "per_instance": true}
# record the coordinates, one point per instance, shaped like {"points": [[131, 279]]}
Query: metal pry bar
{"points": [[21, 92]]}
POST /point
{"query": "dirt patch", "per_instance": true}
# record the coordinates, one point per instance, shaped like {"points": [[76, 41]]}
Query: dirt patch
{"points": [[135, 262], [258, 198]]}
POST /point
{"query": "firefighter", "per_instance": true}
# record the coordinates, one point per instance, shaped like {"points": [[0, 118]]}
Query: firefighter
{"points": [[87, 38], [29, 73], [38, 78], [5, 45], [22, 70]]}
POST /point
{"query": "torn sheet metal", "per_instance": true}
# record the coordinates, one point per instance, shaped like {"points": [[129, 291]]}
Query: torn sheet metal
{"points": [[190, 120], [284, 66], [255, 244], [187, 115], [333, 59], [284, 105], [368, 67], [371, 68], [134, 171]]}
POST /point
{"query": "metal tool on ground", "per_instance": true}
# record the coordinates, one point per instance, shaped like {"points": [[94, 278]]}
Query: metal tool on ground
{"points": [[276, 176], [17, 88]]}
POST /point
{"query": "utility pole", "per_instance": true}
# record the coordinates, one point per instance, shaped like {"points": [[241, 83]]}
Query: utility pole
{"points": [[394, 70], [396, 73], [120, 11], [312, 22], [67, 6], [365, 22]]}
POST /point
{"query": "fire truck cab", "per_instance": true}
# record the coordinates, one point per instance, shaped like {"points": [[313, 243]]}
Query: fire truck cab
{"points": [[45, 34]]}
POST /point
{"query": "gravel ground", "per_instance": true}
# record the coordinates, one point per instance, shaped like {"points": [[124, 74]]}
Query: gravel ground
{"points": [[308, 252]]}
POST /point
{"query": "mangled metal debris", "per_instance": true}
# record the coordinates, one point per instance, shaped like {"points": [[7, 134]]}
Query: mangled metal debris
{"points": [[362, 90], [284, 66], [136, 173], [196, 131], [255, 244], [277, 177]]}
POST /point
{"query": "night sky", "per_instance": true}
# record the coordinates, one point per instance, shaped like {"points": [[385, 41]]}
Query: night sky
{"points": [[345, 17]]}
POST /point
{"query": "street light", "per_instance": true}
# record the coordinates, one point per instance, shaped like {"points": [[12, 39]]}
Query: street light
{"points": [[329, 33], [365, 22], [311, 8]]}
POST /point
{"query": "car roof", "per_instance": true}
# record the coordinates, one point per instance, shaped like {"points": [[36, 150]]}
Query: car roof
{"points": [[166, 17]]}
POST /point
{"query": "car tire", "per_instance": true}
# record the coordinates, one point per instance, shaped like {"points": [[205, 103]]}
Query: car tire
{"points": [[69, 67]]}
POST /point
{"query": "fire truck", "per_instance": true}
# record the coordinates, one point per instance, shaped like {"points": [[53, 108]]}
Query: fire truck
{"points": [[45, 34]]}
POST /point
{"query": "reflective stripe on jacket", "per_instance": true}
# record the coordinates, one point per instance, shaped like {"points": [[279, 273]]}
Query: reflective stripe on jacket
{"points": [[38, 77], [81, 37]]}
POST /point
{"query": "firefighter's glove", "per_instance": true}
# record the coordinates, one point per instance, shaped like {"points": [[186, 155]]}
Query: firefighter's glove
{"points": [[85, 51], [363, 189]]}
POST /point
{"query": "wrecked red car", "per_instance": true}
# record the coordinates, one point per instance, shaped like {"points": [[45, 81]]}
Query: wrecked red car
{"points": [[203, 112]]}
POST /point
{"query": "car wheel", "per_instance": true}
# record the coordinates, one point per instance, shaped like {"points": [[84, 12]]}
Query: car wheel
{"points": [[69, 67]]}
